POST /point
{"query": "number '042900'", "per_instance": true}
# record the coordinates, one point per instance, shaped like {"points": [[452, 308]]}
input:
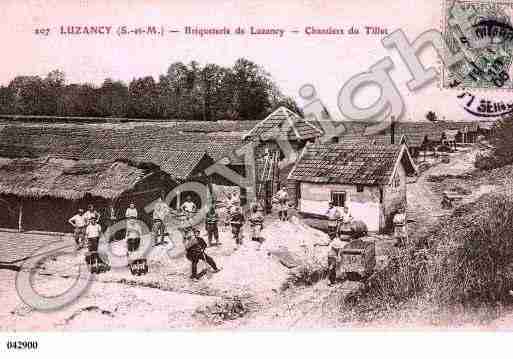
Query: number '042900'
{"points": [[22, 345]]}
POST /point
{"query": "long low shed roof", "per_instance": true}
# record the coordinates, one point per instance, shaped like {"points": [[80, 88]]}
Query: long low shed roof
{"points": [[158, 145], [67, 178]]}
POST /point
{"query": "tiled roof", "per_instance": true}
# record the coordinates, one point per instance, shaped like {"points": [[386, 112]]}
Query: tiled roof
{"points": [[349, 164], [469, 126], [415, 132], [159, 145], [288, 122], [240, 127]]}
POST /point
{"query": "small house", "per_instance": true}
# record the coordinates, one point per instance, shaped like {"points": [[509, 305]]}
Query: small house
{"points": [[369, 179]]}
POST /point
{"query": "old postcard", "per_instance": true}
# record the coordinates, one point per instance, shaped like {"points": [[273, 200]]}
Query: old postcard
{"points": [[222, 165]]}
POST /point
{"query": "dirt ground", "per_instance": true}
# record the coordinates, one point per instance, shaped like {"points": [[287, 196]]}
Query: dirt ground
{"points": [[248, 290]]}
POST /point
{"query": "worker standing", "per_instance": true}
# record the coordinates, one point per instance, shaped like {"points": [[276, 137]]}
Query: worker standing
{"points": [[131, 211], [336, 246], [283, 203], [91, 213], [79, 224], [211, 220], [236, 222], [256, 222], [93, 233], [188, 208], [400, 229], [160, 211], [333, 215], [345, 221]]}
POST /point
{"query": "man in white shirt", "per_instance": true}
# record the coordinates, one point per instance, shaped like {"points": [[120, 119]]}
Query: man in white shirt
{"points": [[333, 215], [160, 212], [188, 208], [131, 212], [90, 213], [336, 247], [283, 198], [346, 219], [79, 224], [93, 233]]}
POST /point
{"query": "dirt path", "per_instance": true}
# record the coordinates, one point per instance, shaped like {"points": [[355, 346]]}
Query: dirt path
{"points": [[424, 204]]}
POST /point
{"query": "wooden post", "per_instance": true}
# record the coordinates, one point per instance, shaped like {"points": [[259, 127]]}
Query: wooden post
{"points": [[20, 217], [178, 200]]}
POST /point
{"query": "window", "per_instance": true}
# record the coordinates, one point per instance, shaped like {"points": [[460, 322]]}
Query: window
{"points": [[338, 199], [334, 139], [359, 188]]}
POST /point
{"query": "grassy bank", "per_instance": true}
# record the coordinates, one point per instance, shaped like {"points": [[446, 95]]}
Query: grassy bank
{"points": [[465, 264]]}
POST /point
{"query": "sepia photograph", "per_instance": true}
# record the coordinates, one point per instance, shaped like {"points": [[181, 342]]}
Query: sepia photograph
{"points": [[255, 167]]}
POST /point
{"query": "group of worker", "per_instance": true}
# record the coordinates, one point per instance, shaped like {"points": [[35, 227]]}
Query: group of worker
{"points": [[86, 225], [88, 230]]}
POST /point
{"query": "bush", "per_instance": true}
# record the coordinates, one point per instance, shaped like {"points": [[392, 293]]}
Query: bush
{"points": [[489, 162], [306, 274], [502, 154], [473, 259], [467, 260]]}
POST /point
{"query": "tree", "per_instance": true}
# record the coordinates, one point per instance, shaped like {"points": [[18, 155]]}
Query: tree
{"points": [[431, 116], [113, 98], [244, 91], [7, 98], [143, 98], [252, 90], [27, 92], [80, 100]]}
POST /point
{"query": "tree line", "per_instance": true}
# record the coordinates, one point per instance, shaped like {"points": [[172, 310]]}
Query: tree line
{"points": [[244, 91]]}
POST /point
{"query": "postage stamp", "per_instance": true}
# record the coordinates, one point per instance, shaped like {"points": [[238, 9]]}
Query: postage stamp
{"points": [[483, 31]]}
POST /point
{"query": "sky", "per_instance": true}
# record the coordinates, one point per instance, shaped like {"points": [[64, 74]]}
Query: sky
{"points": [[325, 61]]}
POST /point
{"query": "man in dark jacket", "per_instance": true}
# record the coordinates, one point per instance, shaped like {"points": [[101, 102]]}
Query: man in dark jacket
{"points": [[236, 221], [195, 251], [211, 226]]}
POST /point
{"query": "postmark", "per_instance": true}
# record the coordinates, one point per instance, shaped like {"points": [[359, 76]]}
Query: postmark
{"points": [[483, 32], [484, 107]]}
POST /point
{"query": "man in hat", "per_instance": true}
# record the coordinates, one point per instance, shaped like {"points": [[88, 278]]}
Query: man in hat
{"points": [[188, 208], [236, 221], [211, 220], [93, 233], [79, 224], [160, 212], [195, 251], [256, 222], [90, 213]]}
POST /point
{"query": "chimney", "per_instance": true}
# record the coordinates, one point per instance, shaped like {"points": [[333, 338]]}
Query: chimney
{"points": [[392, 130]]}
